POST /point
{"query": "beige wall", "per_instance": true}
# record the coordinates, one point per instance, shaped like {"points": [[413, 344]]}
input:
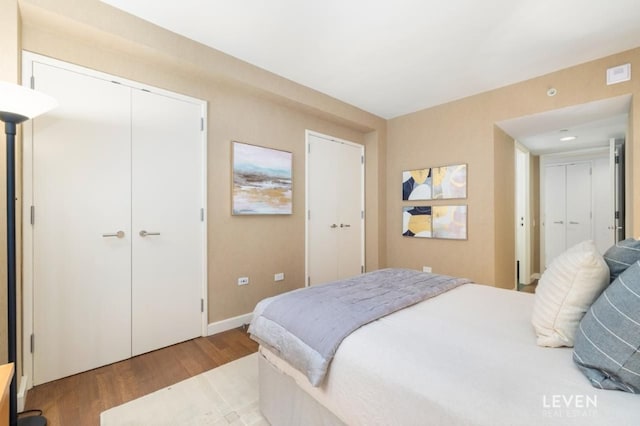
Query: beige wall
{"points": [[504, 209], [256, 246], [463, 131], [252, 105], [245, 104]]}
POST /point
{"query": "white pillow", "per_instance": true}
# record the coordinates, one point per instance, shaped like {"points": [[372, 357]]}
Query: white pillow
{"points": [[573, 281]]}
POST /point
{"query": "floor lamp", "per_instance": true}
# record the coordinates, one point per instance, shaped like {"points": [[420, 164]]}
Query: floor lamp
{"points": [[17, 104]]}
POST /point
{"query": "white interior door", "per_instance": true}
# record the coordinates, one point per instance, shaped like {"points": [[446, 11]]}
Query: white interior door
{"points": [[111, 161], [322, 216], [350, 208], [82, 195], [335, 203], [578, 203], [555, 212], [522, 217], [167, 194], [604, 202]]}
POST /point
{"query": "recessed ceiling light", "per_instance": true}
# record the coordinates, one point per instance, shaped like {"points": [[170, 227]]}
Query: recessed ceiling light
{"points": [[568, 138]]}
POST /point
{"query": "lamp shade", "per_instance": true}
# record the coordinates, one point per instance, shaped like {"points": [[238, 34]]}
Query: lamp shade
{"points": [[18, 103]]}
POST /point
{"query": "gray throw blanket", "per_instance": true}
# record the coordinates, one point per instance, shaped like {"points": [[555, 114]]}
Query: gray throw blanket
{"points": [[306, 326]]}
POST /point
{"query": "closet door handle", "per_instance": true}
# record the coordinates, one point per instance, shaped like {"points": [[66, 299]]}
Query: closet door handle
{"points": [[345, 226], [144, 233], [333, 226], [119, 234], [560, 222], [574, 223]]}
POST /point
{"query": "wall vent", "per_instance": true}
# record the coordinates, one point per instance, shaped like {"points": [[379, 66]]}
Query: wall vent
{"points": [[618, 74]]}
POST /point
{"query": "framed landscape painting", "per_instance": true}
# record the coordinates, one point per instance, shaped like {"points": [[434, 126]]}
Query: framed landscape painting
{"points": [[262, 180]]}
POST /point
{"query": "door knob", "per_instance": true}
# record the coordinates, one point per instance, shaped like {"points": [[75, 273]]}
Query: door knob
{"points": [[119, 234], [144, 233], [333, 226], [345, 226]]}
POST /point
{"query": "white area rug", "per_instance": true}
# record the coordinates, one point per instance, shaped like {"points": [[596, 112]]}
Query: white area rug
{"points": [[227, 395]]}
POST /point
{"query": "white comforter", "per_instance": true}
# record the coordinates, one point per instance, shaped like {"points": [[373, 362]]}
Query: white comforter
{"points": [[466, 357]]}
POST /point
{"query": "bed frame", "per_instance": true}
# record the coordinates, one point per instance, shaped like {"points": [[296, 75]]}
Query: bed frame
{"points": [[284, 403], [454, 378]]}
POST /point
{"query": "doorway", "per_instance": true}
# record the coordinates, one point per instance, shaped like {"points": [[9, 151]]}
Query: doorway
{"points": [[579, 129], [335, 208]]}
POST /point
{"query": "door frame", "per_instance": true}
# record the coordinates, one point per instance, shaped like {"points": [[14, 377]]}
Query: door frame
{"points": [[309, 133], [26, 267], [617, 164], [523, 196]]}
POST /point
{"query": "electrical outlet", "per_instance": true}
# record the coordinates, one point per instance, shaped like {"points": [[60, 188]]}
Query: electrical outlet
{"points": [[279, 276], [243, 280], [426, 269]]}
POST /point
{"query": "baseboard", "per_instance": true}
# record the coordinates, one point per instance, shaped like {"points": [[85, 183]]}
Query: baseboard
{"points": [[535, 276], [22, 393], [228, 324]]}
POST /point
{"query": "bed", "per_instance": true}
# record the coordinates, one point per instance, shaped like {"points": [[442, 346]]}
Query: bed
{"points": [[464, 357]]}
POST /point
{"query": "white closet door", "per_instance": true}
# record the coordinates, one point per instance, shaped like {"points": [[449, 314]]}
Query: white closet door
{"points": [[555, 212], [323, 224], [81, 193], [350, 211], [578, 203], [335, 201], [167, 185]]}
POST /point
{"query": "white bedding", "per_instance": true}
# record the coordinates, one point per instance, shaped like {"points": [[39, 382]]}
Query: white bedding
{"points": [[466, 357]]}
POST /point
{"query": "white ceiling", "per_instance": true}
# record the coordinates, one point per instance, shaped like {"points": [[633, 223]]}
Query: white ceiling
{"points": [[395, 57], [593, 124]]}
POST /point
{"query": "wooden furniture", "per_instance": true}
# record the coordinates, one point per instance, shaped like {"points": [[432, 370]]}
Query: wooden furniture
{"points": [[6, 374]]}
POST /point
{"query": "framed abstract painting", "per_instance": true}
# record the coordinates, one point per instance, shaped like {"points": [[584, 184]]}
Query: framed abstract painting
{"points": [[435, 183], [446, 222], [261, 181], [449, 182], [416, 184]]}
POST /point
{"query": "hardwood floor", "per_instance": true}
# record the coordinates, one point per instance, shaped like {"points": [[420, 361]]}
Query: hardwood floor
{"points": [[531, 288], [79, 399]]}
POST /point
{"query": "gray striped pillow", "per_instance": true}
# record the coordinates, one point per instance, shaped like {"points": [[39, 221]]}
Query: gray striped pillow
{"points": [[621, 255], [608, 339]]}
